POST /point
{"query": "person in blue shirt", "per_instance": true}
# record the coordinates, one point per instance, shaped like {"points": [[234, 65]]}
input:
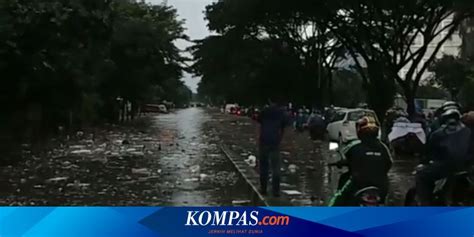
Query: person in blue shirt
{"points": [[300, 120], [273, 121]]}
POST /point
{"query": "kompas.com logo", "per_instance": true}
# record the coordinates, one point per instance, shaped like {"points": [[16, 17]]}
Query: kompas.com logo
{"points": [[234, 218]]}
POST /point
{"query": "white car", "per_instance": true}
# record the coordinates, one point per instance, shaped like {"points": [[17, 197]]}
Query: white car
{"points": [[342, 127], [229, 107], [163, 108]]}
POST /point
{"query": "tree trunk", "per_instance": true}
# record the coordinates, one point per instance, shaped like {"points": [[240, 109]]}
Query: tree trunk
{"points": [[330, 88], [410, 98], [380, 89], [454, 95]]}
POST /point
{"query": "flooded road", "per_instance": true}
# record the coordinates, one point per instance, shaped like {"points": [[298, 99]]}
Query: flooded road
{"points": [[170, 159], [192, 156], [305, 174]]}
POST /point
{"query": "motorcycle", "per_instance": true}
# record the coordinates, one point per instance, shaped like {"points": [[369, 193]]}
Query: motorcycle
{"points": [[369, 196], [255, 114], [407, 138], [454, 190], [316, 128]]}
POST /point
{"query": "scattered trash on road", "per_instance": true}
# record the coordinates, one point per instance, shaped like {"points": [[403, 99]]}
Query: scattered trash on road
{"points": [[195, 168], [57, 179], [240, 202], [292, 168], [285, 185], [291, 192], [251, 161], [81, 152], [77, 147], [142, 171], [191, 180], [203, 176]]}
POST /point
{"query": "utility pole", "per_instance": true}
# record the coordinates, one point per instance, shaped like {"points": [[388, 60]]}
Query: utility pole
{"points": [[320, 47]]}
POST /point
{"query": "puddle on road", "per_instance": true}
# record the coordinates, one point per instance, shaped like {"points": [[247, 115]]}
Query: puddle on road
{"points": [[206, 176], [304, 166], [176, 162], [128, 166]]}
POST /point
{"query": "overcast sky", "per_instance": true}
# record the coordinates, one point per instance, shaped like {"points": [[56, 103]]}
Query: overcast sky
{"points": [[192, 12]]}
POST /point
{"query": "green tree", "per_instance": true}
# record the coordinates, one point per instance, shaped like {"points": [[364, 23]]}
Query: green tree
{"points": [[143, 53], [68, 60], [378, 35], [451, 73], [385, 32], [46, 58], [295, 55], [348, 88]]}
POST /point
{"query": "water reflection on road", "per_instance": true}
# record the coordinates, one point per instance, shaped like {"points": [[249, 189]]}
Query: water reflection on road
{"points": [[171, 159], [192, 158], [311, 176]]}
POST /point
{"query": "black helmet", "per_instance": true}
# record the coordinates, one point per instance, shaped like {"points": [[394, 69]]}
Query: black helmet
{"points": [[450, 115], [448, 105]]}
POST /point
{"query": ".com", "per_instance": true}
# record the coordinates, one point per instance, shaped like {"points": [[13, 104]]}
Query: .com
{"points": [[233, 218], [275, 220]]}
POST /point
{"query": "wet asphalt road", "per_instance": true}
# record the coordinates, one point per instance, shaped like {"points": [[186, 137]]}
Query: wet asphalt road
{"points": [[207, 176], [311, 176], [168, 160]]}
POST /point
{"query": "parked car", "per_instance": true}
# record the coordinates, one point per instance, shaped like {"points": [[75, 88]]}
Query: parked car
{"points": [[230, 108], [163, 108], [154, 108], [342, 126]]}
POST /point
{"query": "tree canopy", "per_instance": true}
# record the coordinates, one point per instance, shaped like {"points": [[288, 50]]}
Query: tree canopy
{"points": [[391, 43], [452, 74], [78, 56]]}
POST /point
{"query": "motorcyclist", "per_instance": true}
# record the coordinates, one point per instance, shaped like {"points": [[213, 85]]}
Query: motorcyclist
{"points": [[436, 123], [316, 126], [390, 118], [468, 120], [368, 160], [447, 152]]}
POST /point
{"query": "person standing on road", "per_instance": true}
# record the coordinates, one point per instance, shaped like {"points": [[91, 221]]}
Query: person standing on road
{"points": [[273, 121]]}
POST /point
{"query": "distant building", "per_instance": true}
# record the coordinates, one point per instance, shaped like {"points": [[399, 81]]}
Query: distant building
{"points": [[451, 47], [467, 35]]}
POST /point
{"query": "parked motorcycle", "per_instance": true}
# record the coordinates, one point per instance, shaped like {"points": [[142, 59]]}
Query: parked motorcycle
{"points": [[455, 190], [316, 127], [255, 114], [407, 138]]}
